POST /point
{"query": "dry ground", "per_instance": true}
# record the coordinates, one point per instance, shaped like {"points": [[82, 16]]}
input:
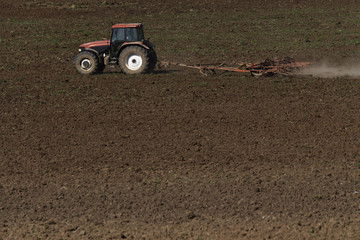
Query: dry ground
{"points": [[173, 155]]}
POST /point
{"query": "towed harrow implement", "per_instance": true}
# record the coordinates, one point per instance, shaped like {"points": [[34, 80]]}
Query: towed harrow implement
{"points": [[267, 67]]}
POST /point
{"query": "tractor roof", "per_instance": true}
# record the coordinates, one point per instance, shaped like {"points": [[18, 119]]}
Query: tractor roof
{"points": [[126, 25]]}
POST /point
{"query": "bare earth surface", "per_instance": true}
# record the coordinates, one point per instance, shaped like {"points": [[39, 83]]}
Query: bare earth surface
{"points": [[174, 155]]}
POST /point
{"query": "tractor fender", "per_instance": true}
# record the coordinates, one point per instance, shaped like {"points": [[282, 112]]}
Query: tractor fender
{"points": [[95, 52], [133, 44]]}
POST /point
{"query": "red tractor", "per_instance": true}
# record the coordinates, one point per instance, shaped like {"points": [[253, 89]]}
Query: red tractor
{"points": [[127, 48]]}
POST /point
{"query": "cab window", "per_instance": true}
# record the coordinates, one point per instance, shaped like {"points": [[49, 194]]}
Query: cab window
{"points": [[118, 35], [131, 34]]}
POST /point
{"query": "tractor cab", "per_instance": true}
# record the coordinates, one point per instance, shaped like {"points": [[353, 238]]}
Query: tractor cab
{"points": [[123, 35]]}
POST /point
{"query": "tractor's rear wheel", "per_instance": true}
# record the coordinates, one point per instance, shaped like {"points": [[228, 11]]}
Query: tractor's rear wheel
{"points": [[153, 60], [134, 60], [87, 63]]}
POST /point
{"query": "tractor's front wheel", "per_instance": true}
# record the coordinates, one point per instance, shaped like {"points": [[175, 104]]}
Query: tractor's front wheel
{"points": [[86, 63], [134, 60]]}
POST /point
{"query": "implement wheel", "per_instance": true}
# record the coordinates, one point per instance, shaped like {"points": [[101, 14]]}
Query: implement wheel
{"points": [[261, 73], [257, 73]]}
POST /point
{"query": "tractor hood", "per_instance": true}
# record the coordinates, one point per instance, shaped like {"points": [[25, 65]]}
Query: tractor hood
{"points": [[102, 43]]}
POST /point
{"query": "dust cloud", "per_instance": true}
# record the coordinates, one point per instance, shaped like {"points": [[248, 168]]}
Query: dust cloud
{"points": [[331, 70]]}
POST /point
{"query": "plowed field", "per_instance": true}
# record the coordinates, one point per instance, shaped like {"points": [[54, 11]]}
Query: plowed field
{"points": [[173, 154]]}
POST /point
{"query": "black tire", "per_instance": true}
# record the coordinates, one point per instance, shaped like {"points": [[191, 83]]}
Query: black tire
{"points": [[86, 63], [134, 60], [153, 60]]}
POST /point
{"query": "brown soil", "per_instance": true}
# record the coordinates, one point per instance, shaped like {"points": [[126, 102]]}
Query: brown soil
{"points": [[173, 155]]}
